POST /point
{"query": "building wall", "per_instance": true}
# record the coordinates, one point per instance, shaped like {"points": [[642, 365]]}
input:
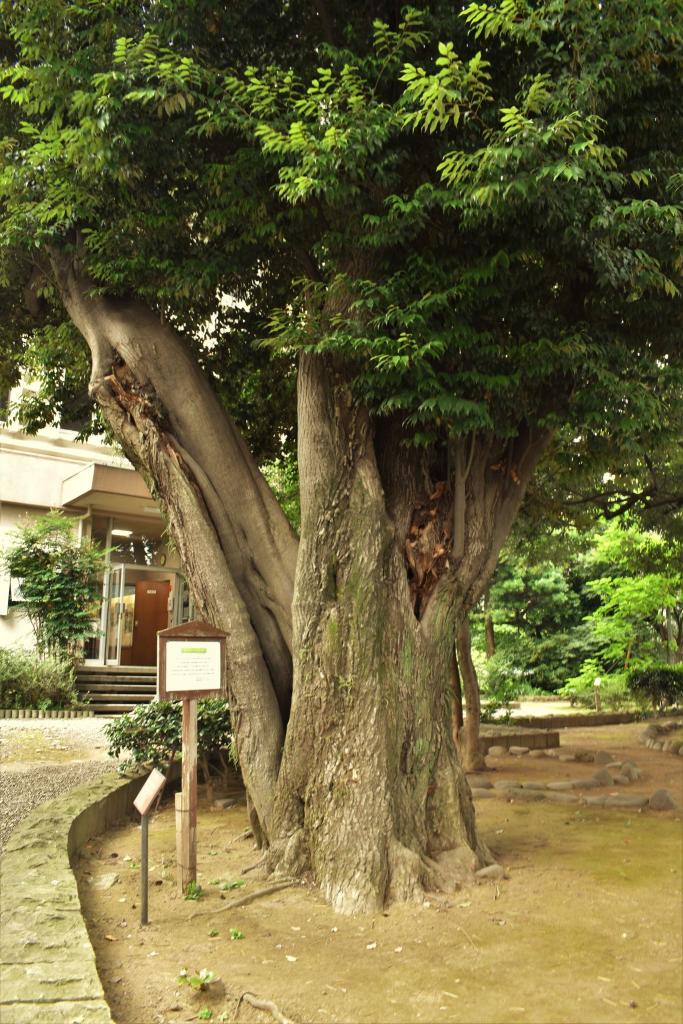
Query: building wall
{"points": [[32, 472]]}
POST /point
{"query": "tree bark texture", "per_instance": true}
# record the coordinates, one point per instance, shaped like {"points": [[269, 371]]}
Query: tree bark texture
{"points": [[371, 799]]}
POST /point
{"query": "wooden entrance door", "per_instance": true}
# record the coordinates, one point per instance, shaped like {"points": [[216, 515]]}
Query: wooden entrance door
{"points": [[151, 615]]}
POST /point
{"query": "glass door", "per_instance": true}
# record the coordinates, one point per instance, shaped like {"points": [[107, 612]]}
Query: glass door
{"points": [[114, 616]]}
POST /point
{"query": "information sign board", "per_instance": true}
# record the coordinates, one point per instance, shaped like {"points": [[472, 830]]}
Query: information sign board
{"points": [[191, 662]]}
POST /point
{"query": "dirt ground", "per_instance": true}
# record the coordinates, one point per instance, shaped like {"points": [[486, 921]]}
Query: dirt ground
{"points": [[586, 927]]}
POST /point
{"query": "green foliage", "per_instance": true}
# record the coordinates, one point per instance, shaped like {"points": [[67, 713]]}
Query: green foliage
{"points": [[638, 586], [199, 981], [658, 685], [536, 612], [29, 681], [193, 891], [282, 476], [516, 265], [60, 591], [580, 689], [151, 734], [236, 934]]}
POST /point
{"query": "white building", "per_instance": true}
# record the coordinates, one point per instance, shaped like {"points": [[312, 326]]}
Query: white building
{"points": [[143, 588]]}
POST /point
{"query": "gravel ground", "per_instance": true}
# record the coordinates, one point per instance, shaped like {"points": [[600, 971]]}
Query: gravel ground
{"points": [[27, 780]]}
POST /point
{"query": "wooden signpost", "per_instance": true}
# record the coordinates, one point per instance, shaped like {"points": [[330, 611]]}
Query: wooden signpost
{"points": [[191, 664]]}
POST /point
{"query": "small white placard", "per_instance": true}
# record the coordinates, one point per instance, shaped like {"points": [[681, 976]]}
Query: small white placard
{"points": [[149, 792], [193, 665]]}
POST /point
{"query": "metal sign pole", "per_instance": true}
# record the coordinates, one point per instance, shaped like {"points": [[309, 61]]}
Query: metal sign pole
{"points": [[143, 802], [144, 869]]}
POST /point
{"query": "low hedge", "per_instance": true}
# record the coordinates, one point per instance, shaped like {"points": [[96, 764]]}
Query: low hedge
{"points": [[29, 681], [658, 685]]}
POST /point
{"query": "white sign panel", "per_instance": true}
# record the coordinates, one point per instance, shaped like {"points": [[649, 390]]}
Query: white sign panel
{"points": [[193, 664], [149, 792]]}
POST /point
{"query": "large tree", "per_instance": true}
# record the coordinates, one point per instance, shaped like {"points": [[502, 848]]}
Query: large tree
{"points": [[464, 228]]}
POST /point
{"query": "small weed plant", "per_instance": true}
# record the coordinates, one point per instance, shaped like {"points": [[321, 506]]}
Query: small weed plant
{"points": [[199, 981], [193, 891]]}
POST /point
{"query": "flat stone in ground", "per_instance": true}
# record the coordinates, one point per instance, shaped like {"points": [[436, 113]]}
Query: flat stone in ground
{"points": [[595, 801], [586, 756], [662, 800], [630, 769], [105, 881], [528, 795], [621, 780], [625, 800], [603, 777], [562, 798], [497, 751], [534, 785], [538, 753], [603, 757], [519, 750], [560, 786]]}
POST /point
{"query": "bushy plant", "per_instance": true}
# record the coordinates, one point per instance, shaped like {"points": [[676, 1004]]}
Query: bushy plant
{"points": [[59, 587], [580, 689], [150, 735], [29, 681], [658, 685]]}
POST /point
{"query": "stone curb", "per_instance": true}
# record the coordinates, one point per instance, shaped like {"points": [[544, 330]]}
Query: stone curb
{"points": [[653, 737], [32, 713], [47, 964], [621, 773]]}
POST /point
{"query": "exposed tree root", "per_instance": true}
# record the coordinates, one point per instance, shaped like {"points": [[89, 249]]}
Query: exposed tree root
{"points": [[252, 867], [244, 900], [247, 834], [262, 1004]]}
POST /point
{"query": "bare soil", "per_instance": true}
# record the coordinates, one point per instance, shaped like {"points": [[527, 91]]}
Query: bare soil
{"points": [[586, 928]]}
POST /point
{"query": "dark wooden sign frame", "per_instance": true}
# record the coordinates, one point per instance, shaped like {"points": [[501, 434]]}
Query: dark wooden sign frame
{"points": [[195, 630]]}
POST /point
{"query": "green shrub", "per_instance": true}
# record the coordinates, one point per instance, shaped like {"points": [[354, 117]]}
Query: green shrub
{"points": [[658, 685], [29, 681], [151, 734], [59, 588]]}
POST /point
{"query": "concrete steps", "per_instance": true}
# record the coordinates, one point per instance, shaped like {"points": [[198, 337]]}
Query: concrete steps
{"points": [[116, 689]]}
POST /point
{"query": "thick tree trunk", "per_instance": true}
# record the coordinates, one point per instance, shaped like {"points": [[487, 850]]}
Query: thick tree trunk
{"points": [[235, 544], [371, 799], [470, 751]]}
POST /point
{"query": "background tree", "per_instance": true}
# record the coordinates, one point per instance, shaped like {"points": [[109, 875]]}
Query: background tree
{"points": [[452, 300], [638, 584]]}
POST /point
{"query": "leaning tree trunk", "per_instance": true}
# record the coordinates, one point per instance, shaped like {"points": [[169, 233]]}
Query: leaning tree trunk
{"points": [[235, 544], [371, 800]]}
